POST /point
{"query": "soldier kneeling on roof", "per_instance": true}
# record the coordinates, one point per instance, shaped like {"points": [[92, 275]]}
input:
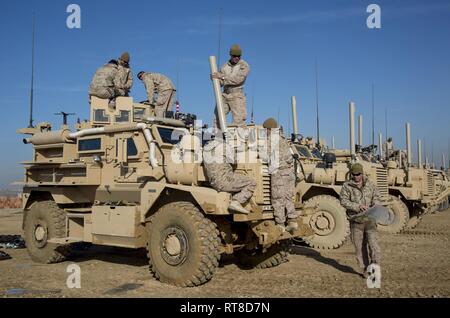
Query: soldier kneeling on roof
{"points": [[105, 83]]}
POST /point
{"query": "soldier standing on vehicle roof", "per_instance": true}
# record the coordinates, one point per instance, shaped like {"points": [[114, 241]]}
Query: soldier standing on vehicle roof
{"points": [[217, 156], [105, 83], [357, 196], [281, 167], [124, 73], [389, 148], [232, 77], [160, 91]]}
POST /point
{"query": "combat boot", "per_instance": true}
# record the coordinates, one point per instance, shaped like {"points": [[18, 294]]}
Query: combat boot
{"points": [[236, 206], [292, 226]]}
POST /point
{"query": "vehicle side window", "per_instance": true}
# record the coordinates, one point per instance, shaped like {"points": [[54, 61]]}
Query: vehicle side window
{"points": [[90, 144], [303, 152], [317, 154], [167, 134], [131, 148]]}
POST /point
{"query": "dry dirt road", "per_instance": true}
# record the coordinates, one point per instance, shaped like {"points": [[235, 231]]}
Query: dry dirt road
{"points": [[414, 264]]}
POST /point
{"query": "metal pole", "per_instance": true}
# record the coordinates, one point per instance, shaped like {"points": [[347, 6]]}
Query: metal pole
{"points": [[425, 152], [218, 95], [419, 153], [220, 34], [352, 128], [317, 104], [380, 145], [432, 154], [294, 115], [373, 115], [332, 143], [30, 124], [360, 130], [443, 161], [252, 119], [408, 144]]}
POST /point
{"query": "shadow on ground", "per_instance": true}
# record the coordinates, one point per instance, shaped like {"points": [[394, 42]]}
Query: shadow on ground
{"points": [[115, 255], [311, 253]]}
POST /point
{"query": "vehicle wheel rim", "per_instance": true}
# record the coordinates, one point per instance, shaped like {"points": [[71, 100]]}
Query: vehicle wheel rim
{"points": [[323, 223], [174, 246], [40, 235]]}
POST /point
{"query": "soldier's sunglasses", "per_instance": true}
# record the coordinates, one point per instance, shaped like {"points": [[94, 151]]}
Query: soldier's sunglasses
{"points": [[356, 174]]}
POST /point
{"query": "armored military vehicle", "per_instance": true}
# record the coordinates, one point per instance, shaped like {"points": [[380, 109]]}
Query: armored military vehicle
{"points": [[126, 178], [442, 189], [414, 185], [322, 177]]}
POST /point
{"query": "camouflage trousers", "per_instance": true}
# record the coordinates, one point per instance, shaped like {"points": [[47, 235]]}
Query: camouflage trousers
{"points": [[365, 238], [240, 185], [236, 103], [282, 193], [164, 102], [107, 92], [103, 92]]}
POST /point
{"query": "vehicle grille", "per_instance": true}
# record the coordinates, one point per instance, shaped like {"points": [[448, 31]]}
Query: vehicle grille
{"points": [[382, 184], [430, 183], [266, 185]]}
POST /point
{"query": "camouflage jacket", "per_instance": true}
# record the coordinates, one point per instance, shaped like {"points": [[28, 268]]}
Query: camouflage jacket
{"points": [[234, 76], [281, 154], [125, 77], [156, 83], [216, 160], [105, 76], [353, 197]]}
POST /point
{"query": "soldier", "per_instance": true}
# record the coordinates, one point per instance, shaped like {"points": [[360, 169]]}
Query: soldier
{"points": [[160, 85], [232, 77], [281, 167], [388, 147], [357, 196], [216, 159], [124, 74], [105, 82]]}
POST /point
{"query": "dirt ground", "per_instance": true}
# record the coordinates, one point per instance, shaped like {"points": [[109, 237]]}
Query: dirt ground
{"points": [[414, 264]]}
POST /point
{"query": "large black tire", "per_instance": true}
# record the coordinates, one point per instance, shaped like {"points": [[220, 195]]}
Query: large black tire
{"points": [[330, 223], [443, 205], [413, 222], [446, 204], [401, 217], [415, 219], [43, 221], [273, 256], [183, 245]]}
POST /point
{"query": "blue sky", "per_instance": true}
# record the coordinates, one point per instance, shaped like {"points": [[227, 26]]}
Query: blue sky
{"points": [[407, 60]]}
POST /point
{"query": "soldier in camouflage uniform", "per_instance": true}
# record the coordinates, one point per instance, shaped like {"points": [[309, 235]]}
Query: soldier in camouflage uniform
{"points": [[357, 196], [105, 83], [232, 77], [216, 160], [281, 168], [124, 74], [160, 91]]}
